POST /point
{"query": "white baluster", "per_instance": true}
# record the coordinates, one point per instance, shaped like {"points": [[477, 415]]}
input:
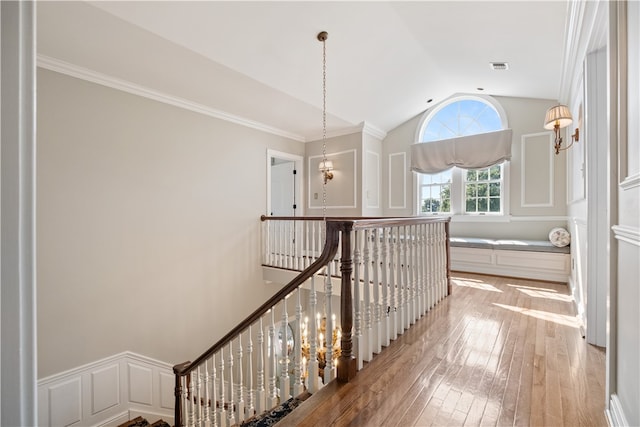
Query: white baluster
{"points": [[377, 302], [386, 307], [411, 284], [260, 391], [250, 405], [432, 267], [239, 390], [197, 398], [191, 418], [222, 412], [393, 306], [290, 245], [231, 416], [443, 259], [367, 352], [285, 392], [307, 243], [206, 419], [186, 407], [401, 284], [420, 258], [328, 369], [273, 391], [214, 392], [358, 342], [312, 371], [298, 386], [409, 275]]}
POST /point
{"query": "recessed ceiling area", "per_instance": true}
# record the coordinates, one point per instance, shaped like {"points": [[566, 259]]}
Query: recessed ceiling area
{"points": [[262, 62]]}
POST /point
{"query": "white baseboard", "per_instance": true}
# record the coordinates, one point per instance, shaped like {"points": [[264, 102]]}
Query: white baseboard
{"points": [[615, 414], [105, 393]]}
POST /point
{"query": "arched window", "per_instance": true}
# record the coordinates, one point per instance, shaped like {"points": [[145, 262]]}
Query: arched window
{"points": [[477, 185]]}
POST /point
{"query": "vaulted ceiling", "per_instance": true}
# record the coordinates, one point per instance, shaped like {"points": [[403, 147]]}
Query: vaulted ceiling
{"points": [[260, 62]]}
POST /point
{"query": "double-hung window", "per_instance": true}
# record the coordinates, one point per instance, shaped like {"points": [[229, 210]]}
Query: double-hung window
{"points": [[463, 190]]}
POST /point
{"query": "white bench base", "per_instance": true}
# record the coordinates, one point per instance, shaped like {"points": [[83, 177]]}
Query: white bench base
{"points": [[549, 266]]}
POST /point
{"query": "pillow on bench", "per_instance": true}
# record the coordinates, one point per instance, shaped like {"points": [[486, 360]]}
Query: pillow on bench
{"points": [[511, 245]]}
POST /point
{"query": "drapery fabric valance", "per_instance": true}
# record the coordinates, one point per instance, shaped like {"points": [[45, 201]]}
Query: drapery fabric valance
{"points": [[466, 152]]}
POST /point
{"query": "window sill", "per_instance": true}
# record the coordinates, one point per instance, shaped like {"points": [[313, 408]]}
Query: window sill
{"points": [[480, 218]]}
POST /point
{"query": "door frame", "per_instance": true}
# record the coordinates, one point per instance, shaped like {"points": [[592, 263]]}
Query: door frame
{"points": [[299, 162]]}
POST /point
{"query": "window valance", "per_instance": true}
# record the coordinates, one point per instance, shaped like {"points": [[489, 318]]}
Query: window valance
{"points": [[467, 152]]}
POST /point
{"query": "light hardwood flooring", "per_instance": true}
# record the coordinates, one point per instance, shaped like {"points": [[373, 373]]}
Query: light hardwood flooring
{"points": [[498, 351]]}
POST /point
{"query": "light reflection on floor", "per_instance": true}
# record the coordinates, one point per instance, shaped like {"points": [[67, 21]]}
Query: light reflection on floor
{"points": [[560, 319], [477, 284], [531, 291], [546, 294]]}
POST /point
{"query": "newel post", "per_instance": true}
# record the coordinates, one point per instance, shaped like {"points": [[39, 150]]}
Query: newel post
{"points": [[346, 362], [177, 415]]}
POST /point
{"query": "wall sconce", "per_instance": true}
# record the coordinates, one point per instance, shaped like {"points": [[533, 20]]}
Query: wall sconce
{"points": [[557, 118], [325, 167]]}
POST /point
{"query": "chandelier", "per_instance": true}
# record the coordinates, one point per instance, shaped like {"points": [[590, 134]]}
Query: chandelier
{"points": [[321, 344]]}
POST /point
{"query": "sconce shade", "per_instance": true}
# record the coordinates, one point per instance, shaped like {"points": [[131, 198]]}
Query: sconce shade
{"points": [[559, 114], [326, 165]]}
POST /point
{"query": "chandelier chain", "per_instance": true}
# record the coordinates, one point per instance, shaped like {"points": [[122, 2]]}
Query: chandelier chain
{"points": [[324, 124]]}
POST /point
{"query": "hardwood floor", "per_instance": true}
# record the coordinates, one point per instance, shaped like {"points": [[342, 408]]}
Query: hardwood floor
{"points": [[498, 351]]}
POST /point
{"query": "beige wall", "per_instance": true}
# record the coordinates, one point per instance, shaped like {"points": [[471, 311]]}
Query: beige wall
{"points": [[148, 225]]}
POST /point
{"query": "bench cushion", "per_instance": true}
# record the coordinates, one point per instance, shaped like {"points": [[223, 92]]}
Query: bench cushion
{"points": [[508, 244]]}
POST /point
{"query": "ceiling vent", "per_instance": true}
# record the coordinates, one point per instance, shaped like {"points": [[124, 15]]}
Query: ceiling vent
{"points": [[499, 65]]}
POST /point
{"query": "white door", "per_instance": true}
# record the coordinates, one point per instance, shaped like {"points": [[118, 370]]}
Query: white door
{"points": [[283, 176]]}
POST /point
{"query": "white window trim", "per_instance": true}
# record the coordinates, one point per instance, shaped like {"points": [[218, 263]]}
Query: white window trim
{"points": [[457, 203]]}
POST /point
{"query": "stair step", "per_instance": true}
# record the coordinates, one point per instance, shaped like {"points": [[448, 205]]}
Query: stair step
{"points": [[142, 422], [271, 417]]}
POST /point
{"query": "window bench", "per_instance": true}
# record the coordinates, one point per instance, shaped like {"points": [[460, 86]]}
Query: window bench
{"points": [[529, 259]]}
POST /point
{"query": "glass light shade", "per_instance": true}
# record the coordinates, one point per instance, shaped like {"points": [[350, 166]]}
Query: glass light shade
{"points": [[325, 165], [559, 114]]}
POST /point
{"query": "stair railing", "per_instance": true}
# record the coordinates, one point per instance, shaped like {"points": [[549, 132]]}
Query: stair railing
{"points": [[391, 272]]}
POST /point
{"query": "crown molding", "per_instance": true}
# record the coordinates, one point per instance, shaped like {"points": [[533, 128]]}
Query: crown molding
{"points": [[360, 128], [82, 73], [373, 131]]}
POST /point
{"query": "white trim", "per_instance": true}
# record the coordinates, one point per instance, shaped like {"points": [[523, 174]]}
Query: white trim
{"points": [[550, 155], [615, 413], [86, 74], [630, 182], [404, 180], [18, 367], [627, 234], [363, 127]]}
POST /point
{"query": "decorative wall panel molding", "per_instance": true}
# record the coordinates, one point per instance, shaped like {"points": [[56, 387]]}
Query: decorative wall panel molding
{"points": [[107, 392], [536, 185], [398, 180], [345, 177], [372, 183]]}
